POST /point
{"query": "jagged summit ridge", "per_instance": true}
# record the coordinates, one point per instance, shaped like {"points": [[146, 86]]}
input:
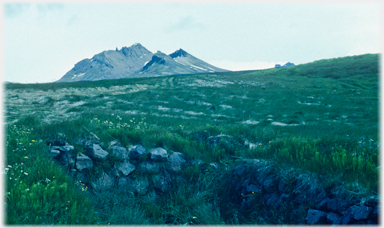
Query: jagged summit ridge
{"points": [[136, 61], [179, 53]]}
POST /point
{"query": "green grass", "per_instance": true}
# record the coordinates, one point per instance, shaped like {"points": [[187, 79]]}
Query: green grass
{"points": [[320, 117]]}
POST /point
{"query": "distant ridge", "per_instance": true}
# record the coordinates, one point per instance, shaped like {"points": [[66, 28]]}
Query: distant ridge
{"points": [[136, 61]]}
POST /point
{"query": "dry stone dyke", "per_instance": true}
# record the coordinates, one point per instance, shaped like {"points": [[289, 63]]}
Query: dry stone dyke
{"points": [[251, 182]]}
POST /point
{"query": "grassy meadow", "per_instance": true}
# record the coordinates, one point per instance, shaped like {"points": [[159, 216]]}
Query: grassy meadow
{"points": [[320, 117]]}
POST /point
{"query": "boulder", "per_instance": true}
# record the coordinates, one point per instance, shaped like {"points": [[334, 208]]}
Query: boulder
{"points": [[124, 182], [176, 162], [104, 182], [158, 154], [95, 151], [57, 141], [371, 201], [125, 168], [315, 195], [162, 182], [149, 167], [360, 212], [54, 153], [284, 197], [333, 218], [83, 162], [120, 152], [140, 186], [316, 217], [65, 148], [337, 205], [136, 153], [322, 205]]}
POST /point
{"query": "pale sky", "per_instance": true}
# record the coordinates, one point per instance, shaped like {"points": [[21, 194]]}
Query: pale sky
{"points": [[41, 42]]}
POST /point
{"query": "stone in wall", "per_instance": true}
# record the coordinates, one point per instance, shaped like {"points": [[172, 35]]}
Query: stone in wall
{"points": [[104, 182], [83, 162], [158, 154], [137, 153], [95, 151]]}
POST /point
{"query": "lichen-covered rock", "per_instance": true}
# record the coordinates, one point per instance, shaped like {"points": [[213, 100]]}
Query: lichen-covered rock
{"points": [[158, 154], [96, 152], [65, 148], [83, 162], [176, 162], [125, 168], [136, 153], [54, 152], [120, 152], [316, 217], [104, 182]]}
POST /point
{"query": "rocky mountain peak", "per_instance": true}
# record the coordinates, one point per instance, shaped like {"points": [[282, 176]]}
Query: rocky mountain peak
{"points": [[179, 53]]}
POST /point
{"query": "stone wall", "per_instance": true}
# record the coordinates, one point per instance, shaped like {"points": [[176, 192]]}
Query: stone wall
{"points": [[252, 187]]}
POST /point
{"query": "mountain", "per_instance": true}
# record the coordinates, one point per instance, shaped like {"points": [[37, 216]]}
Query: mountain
{"points": [[179, 62], [136, 61], [109, 64]]}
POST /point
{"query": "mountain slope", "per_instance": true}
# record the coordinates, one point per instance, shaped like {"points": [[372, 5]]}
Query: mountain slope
{"points": [[194, 63], [109, 64], [179, 62]]}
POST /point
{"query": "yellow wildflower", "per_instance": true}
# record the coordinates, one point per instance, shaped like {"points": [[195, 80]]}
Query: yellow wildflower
{"points": [[260, 144], [53, 177], [33, 141], [194, 217], [26, 157]]}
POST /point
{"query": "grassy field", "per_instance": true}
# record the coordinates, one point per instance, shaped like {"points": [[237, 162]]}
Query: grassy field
{"points": [[320, 117]]}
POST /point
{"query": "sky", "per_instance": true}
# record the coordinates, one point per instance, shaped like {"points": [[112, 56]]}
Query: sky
{"points": [[42, 42]]}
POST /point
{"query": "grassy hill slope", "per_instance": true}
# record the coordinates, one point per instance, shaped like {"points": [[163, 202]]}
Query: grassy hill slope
{"points": [[320, 117]]}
